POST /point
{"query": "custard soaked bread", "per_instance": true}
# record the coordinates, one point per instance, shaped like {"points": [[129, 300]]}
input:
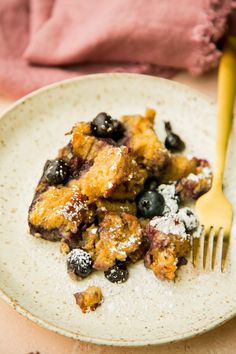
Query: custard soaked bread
{"points": [[141, 137], [114, 195], [168, 244], [119, 236], [111, 167], [58, 212]]}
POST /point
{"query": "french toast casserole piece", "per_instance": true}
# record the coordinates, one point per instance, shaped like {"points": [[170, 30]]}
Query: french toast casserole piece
{"points": [[117, 193]]}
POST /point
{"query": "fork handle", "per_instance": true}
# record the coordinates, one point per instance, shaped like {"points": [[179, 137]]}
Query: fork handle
{"points": [[226, 96]]}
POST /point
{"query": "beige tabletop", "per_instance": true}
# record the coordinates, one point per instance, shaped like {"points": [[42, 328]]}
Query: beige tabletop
{"points": [[21, 336]]}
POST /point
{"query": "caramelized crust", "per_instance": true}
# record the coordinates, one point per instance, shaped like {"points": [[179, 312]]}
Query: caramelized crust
{"points": [[120, 235], [178, 167], [81, 141], [89, 299], [142, 139], [62, 209], [84, 145], [111, 167]]}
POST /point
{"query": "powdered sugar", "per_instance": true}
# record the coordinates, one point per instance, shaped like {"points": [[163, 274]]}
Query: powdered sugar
{"points": [[79, 257], [113, 167], [183, 223], [123, 247], [174, 221], [189, 218], [132, 240], [170, 224], [117, 249], [109, 185], [93, 231], [171, 200], [72, 208], [206, 173]]}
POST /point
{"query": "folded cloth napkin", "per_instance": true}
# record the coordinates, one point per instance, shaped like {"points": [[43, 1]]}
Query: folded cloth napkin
{"points": [[43, 41]]}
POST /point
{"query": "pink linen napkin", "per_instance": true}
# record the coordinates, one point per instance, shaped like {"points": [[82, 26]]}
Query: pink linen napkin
{"points": [[43, 41]]}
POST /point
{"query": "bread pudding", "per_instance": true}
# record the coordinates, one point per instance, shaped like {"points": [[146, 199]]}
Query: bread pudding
{"points": [[116, 195], [89, 299]]}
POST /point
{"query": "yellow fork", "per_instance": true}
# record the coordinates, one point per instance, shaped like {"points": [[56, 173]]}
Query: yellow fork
{"points": [[213, 209]]}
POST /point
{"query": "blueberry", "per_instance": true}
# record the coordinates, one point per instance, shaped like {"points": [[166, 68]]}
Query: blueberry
{"points": [[150, 204], [103, 126], [173, 142], [182, 261], [79, 262], [118, 273], [57, 172], [151, 183], [118, 130]]}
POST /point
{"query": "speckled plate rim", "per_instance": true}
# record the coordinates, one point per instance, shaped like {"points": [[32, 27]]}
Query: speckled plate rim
{"points": [[50, 326]]}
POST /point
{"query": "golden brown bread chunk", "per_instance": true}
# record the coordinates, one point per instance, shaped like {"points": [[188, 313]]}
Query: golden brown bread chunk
{"points": [[162, 262], [90, 238], [120, 235], [83, 143], [129, 190], [142, 139], [111, 167], [60, 208], [89, 299], [178, 167], [164, 252]]}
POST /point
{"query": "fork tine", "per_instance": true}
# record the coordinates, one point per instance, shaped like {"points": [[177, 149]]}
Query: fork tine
{"points": [[225, 248], [205, 248], [208, 249], [201, 249], [196, 245], [219, 250], [215, 246], [198, 248], [196, 242]]}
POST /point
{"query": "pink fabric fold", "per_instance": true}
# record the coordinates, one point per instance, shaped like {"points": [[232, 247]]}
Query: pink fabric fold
{"points": [[43, 41]]}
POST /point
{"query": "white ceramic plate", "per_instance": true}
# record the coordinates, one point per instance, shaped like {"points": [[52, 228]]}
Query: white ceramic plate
{"points": [[33, 277]]}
